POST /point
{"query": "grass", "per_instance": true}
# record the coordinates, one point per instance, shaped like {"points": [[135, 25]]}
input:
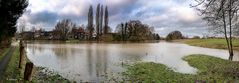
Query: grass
{"points": [[43, 75], [149, 72], [3, 52], [211, 43], [210, 69], [12, 73]]}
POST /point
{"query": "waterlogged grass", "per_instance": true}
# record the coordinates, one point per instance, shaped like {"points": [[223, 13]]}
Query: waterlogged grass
{"points": [[211, 69], [150, 72], [212, 43], [44, 75]]}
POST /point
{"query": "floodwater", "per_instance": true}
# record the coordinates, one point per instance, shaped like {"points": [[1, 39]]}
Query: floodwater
{"points": [[93, 61]]}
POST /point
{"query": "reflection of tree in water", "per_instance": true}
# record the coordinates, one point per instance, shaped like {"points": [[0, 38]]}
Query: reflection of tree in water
{"points": [[133, 52], [60, 51], [63, 53], [34, 48], [89, 56], [97, 60], [105, 60], [101, 61]]}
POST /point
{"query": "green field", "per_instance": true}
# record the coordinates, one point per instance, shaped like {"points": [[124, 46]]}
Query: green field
{"points": [[210, 69], [211, 43]]}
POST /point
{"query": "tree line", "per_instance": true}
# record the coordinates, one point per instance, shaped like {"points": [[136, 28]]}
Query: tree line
{"points": [[65, 26], [135, 30], [100, 28]]}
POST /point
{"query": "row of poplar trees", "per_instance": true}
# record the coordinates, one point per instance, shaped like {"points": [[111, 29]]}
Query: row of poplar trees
{"points": [[100, 29]]}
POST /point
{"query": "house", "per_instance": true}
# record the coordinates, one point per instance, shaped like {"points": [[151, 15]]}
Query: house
{"points": [[47, 34], [27, 35], [79, 33]]}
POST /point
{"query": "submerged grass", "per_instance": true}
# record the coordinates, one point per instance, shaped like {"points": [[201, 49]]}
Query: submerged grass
{"points": [[210, 69], [44, 75], [211, 43]]}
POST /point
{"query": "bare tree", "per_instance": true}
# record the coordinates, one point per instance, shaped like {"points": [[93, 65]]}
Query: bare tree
{"points": [[222, 16], [21, 27], [134, 30], [63, 28]]}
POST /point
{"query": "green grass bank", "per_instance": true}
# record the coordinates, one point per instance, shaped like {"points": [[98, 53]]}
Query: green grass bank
{"points": [[210, 69], [211, 43]]}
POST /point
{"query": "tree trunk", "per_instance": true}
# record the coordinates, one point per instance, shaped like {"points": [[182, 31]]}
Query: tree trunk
{"points": [[230, 31], [225, 34]]}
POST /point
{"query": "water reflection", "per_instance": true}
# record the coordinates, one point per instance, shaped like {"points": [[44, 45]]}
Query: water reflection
{"points": [[90, 62]]}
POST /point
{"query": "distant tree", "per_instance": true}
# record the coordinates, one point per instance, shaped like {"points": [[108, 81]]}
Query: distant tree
{"points": [[134, 30], [33, 30], [11, 10], [90, 26], [174, 35], [156, 37], [196, 37], [63, 28], [101, 19], [106, 26], [222, 16], [236, 30], [21, 26], [97, 20], [123, 31]]}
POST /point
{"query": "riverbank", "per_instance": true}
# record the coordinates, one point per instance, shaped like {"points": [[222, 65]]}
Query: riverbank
{"points": [[210, 69], [86, 41], [210, 43], [14, 74]]}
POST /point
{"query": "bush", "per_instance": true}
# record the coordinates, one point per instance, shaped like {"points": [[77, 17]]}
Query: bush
{"points": [[174, 35], [196, 37]]}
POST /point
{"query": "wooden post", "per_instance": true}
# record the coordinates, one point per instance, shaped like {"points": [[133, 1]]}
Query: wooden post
{"points": [[21, 54], [28, 71]]}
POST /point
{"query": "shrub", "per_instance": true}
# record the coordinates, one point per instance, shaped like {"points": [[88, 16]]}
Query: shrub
{"points": [[174, 35]]}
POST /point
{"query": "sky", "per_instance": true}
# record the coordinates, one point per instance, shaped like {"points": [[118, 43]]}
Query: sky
{"points": [[164, 15]]}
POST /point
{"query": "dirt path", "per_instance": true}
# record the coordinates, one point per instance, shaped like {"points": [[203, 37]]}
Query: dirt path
{"points": [[5, 60]]}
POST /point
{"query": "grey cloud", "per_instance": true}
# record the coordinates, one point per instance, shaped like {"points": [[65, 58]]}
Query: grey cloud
{"points": [[44, 17], [125, 11]]}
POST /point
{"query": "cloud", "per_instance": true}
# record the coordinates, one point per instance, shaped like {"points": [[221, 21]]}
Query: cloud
{"points": [[164, 15], [43, 17]]}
